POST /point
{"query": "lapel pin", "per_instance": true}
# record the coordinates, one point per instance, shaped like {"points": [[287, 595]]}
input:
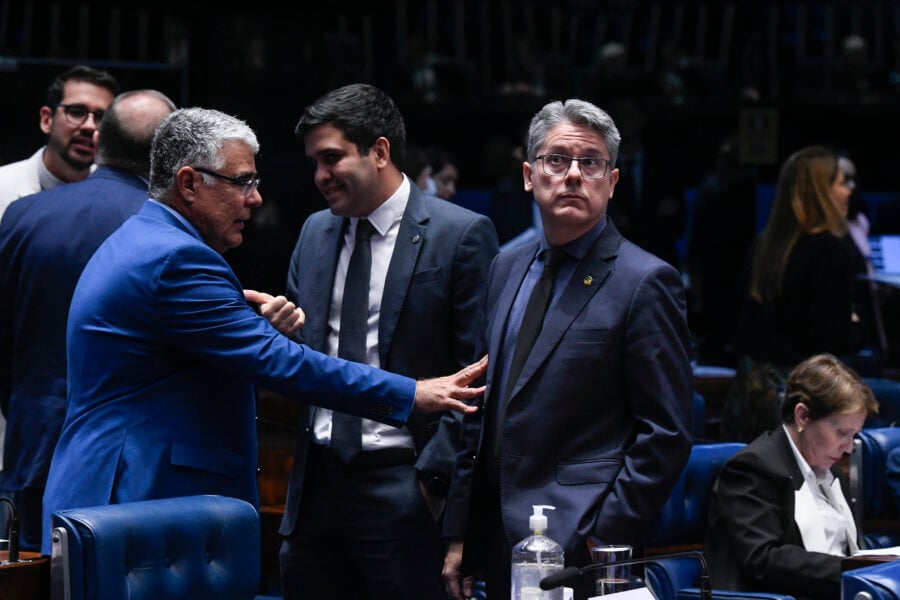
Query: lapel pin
{"points": [[416, 238], [588, 280]]}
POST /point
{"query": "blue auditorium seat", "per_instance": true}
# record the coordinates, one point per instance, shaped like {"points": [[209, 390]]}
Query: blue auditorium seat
{"points": [[681, 526], [887, 392], [877, 582], [873, 507], [186, 548]]}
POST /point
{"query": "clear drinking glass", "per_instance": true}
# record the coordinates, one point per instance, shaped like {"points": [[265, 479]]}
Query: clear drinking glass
{"points": [[612, 579]]}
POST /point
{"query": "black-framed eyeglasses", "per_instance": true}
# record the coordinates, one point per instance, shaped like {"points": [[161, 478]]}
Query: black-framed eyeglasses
{"points": [[248, 182], [592, 167], [77, 114]]}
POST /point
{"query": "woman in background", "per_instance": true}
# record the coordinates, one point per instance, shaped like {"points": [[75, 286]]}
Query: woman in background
{"points": [[800, 298]]}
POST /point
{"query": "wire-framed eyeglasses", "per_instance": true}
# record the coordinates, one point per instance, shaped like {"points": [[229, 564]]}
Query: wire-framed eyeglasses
{"points": [[77, 114], [557, 165], [248, 182]]}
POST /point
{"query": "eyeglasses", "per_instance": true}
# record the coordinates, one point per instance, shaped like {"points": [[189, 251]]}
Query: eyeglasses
{"points": [[77, 114], [557, 165], [248, 182]]}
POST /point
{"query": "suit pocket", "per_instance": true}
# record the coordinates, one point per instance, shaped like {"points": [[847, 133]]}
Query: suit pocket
{"points": [[587, 335], [588, 471], [226, 464], [426, 275]]}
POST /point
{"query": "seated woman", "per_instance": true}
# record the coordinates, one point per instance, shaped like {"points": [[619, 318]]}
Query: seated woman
{"points": [[778, 520]]}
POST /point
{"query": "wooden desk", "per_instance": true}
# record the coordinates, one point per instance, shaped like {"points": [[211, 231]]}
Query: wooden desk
{"points": [[858, 562], [28, 579]]}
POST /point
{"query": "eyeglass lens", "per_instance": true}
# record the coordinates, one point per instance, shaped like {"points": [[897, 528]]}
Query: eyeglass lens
{"points": [[76, 114], [559, 164]]}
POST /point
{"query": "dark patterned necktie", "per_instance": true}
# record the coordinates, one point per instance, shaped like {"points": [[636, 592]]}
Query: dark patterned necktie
{"points": [[346, 430]]}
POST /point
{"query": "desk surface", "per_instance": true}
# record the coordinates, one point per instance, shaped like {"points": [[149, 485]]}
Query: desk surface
{"points": [[858, 562], [890, 280], [28, 579]]}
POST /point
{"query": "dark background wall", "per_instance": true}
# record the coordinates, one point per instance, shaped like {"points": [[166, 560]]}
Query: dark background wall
{"points": [[469, 74]]}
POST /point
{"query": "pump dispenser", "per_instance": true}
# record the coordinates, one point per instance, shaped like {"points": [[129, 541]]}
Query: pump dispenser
{"points": [[534, 558]]}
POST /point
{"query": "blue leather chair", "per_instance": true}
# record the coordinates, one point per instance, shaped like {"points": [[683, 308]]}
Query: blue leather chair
{"points": [[681, 526], [887, 392], [187, 548], [878, 582], [873, 507]]}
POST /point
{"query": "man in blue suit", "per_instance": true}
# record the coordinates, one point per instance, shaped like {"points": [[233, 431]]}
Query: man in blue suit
{"points": [[45, 241], [367, 526], [164, 351], [597, 421]]}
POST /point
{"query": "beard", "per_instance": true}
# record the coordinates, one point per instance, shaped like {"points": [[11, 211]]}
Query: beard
{"points": [[80, 162]]}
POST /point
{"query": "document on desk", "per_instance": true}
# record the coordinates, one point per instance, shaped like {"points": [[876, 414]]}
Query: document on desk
{"points": [[890, 551]]}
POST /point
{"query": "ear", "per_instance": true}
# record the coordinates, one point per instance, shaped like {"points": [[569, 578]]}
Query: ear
{"points": [[527, 173], [46, 119], [187, 182], [801, 414], [382, 151], [613, 180]]}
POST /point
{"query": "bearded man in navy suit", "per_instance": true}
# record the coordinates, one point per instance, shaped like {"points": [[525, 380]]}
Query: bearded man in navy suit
{"points": [[369, 527], [597, 421]]}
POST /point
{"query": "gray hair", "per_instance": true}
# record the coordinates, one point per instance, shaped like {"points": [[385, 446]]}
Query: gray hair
{"points": [[578, 112], [193, 137]]}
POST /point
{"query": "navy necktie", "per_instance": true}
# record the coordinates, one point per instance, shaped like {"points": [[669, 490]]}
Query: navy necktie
{"points": [[532, 321], [346, 430]]}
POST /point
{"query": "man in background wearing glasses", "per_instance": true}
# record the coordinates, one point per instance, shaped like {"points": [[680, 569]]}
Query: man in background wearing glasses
{"points": [[588, 399], [71, 117]]}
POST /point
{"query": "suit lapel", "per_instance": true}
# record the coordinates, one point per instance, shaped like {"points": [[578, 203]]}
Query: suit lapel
{"points": [[512, 280], [410, 238], [325, 257]]}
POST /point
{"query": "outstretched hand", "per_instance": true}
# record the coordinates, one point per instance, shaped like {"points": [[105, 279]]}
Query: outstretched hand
{"points": [[449, 392], [278, 310]]}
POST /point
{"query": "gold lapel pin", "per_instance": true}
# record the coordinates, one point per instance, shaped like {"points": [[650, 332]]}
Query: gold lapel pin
{"points": [[588, 280]]}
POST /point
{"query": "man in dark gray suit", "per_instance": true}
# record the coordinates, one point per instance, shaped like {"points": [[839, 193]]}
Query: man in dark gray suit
{"points": [[594, 415], [364, 524]]}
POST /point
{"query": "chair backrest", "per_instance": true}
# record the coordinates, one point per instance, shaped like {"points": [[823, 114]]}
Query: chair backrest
{"points": [[887, 392], [682, 525], [878, 582], [699, 416], [869, 492], [682, 522], [187, 548]]}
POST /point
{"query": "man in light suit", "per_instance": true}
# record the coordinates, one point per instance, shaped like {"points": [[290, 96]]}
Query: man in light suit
{"points": [[368, 527], [76, 101], [598, 421], [45, 241], [164, 351]]}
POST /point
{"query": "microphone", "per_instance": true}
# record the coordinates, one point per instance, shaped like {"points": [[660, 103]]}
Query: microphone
{"points": [[13, 530], [569, 574]]}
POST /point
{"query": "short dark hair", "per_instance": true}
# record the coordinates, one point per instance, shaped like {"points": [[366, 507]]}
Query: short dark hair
{"points": [[363, 113], [98, 77]]}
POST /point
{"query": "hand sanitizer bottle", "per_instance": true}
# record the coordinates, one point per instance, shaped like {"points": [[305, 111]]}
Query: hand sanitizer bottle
{"points": [[534, 558]]}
